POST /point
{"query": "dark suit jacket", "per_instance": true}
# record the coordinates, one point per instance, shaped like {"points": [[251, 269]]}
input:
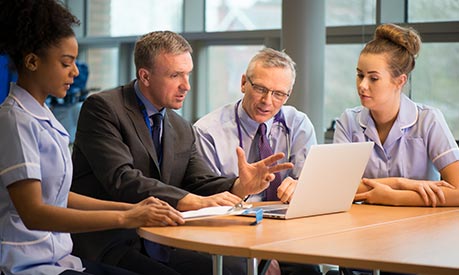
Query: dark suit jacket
{"points": [[114, 159]]}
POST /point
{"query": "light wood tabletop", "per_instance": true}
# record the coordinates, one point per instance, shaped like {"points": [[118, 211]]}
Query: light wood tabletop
{"points": [[425, 244], [232, 235]]}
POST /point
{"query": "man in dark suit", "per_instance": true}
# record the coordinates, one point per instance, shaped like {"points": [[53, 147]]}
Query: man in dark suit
{"points": [[115, 158]]}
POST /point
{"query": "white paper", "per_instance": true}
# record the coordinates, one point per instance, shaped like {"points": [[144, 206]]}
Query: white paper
{"points": [[211, 211]]}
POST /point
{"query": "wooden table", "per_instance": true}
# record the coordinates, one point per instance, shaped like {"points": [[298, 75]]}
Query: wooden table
{"points": [[233, 236], [425, 244]]}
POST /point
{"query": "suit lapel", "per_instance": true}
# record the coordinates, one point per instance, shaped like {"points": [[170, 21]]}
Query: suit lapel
{"points": [[168, 142], [134, 114]]}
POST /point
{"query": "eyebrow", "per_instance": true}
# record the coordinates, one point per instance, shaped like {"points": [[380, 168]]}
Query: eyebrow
{"points": [[370, 72], [68, 56]]}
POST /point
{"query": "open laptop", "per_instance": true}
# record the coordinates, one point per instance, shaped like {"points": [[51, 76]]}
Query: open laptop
{"points": [[328, 181]]}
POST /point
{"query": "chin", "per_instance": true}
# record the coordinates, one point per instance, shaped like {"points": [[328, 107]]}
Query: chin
{"points": [[175, 107]]}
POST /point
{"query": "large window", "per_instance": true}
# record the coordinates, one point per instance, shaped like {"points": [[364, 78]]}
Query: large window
{"points": [[226, 65], [103, 68], [435, 80], [350, 12], [428, 10], [230, 15], [227, 33], [340, 76], [127, 17], [432, 85]]}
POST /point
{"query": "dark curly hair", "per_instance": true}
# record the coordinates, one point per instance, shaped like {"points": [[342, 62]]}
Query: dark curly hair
{"points": [[32, 26]]}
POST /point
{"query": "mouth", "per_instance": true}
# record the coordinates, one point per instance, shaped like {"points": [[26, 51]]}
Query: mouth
{"points": [[67, 85], [363, 96], [262, 111], [180, 97]]}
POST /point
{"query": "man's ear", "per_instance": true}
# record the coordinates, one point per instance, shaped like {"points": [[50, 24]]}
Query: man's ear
{"points": [[144, 76], [31, 61], [243, 82]]}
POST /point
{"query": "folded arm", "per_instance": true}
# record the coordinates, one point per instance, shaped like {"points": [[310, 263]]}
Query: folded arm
{"points": [[409, 192]]}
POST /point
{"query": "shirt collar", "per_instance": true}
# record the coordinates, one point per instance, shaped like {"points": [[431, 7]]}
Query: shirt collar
{"points": [[249, 124], [151, 110], [30, 105], [407, 114]]}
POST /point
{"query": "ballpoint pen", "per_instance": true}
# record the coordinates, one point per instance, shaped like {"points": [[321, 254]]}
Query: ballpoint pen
{"points": [[240, 205]]}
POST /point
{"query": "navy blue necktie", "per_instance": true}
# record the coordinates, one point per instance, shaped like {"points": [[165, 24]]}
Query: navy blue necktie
{"points": [[265, 151], [155, 250], [156, 134]]}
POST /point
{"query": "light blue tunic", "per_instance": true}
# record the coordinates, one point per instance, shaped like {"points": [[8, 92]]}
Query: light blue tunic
{"points": [[218, 138], [33, 145], [419, 143]]}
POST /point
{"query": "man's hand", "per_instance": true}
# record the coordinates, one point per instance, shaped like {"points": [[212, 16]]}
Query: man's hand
{"points": [[194, 202], [286, 189], [151, 212], [255, 177]]}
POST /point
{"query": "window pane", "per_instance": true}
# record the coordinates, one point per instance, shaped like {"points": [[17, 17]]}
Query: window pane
{"points": [[435, 80], [127, 17], [427, 10], [340, 72], [226, 66], [350, 12], [435, 87], [231, 15], [103, 68]]}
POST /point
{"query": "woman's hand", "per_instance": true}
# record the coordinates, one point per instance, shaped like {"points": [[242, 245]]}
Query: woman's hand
{"points": [[378, 193], [430, 191]]}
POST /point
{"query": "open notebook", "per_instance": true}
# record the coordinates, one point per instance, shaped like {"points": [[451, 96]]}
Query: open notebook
{"points": [[327, 183]]}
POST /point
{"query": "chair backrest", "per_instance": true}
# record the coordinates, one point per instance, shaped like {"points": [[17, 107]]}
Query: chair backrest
{"points": [[6, 76]]}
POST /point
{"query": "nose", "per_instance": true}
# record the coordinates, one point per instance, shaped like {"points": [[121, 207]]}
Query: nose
{"points": [[267, 97], [362, 84], [75, 71], [185, 84]]}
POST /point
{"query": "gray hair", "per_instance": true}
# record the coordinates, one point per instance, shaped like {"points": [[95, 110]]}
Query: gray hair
{"points": [[270, 58]]}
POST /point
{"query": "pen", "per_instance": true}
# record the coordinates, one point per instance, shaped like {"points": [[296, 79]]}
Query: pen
{"points": [[240, 204]]}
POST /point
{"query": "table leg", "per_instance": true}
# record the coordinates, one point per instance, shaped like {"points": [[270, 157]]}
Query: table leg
{"points": [[217, 264], [252, 266], [376, 272]]}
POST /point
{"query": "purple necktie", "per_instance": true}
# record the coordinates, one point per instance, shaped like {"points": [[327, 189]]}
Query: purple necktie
{"points": [[155, 132], [266, 151]]}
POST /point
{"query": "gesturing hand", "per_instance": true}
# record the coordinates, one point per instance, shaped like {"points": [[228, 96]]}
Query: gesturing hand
{"points": [[255, 177]]}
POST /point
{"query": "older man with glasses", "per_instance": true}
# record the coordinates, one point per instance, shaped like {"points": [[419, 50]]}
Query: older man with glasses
{"points": [[261, 124], [260, 118]]}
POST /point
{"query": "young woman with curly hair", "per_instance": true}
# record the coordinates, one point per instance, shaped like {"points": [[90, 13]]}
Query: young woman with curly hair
{"points": [[37, 211]]}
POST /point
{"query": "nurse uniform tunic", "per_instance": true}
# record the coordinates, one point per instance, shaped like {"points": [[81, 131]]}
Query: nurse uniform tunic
{"points": [[33, 145]]}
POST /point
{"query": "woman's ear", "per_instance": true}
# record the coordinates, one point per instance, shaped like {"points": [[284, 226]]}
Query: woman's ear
{"points": [[400, 81], [31, 61]]}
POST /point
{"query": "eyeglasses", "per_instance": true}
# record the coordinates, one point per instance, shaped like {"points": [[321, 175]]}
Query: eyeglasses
{"points": [[277, 95]]}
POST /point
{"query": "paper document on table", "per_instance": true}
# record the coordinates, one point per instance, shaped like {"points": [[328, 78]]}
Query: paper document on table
{"points": [[212, 211]]}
